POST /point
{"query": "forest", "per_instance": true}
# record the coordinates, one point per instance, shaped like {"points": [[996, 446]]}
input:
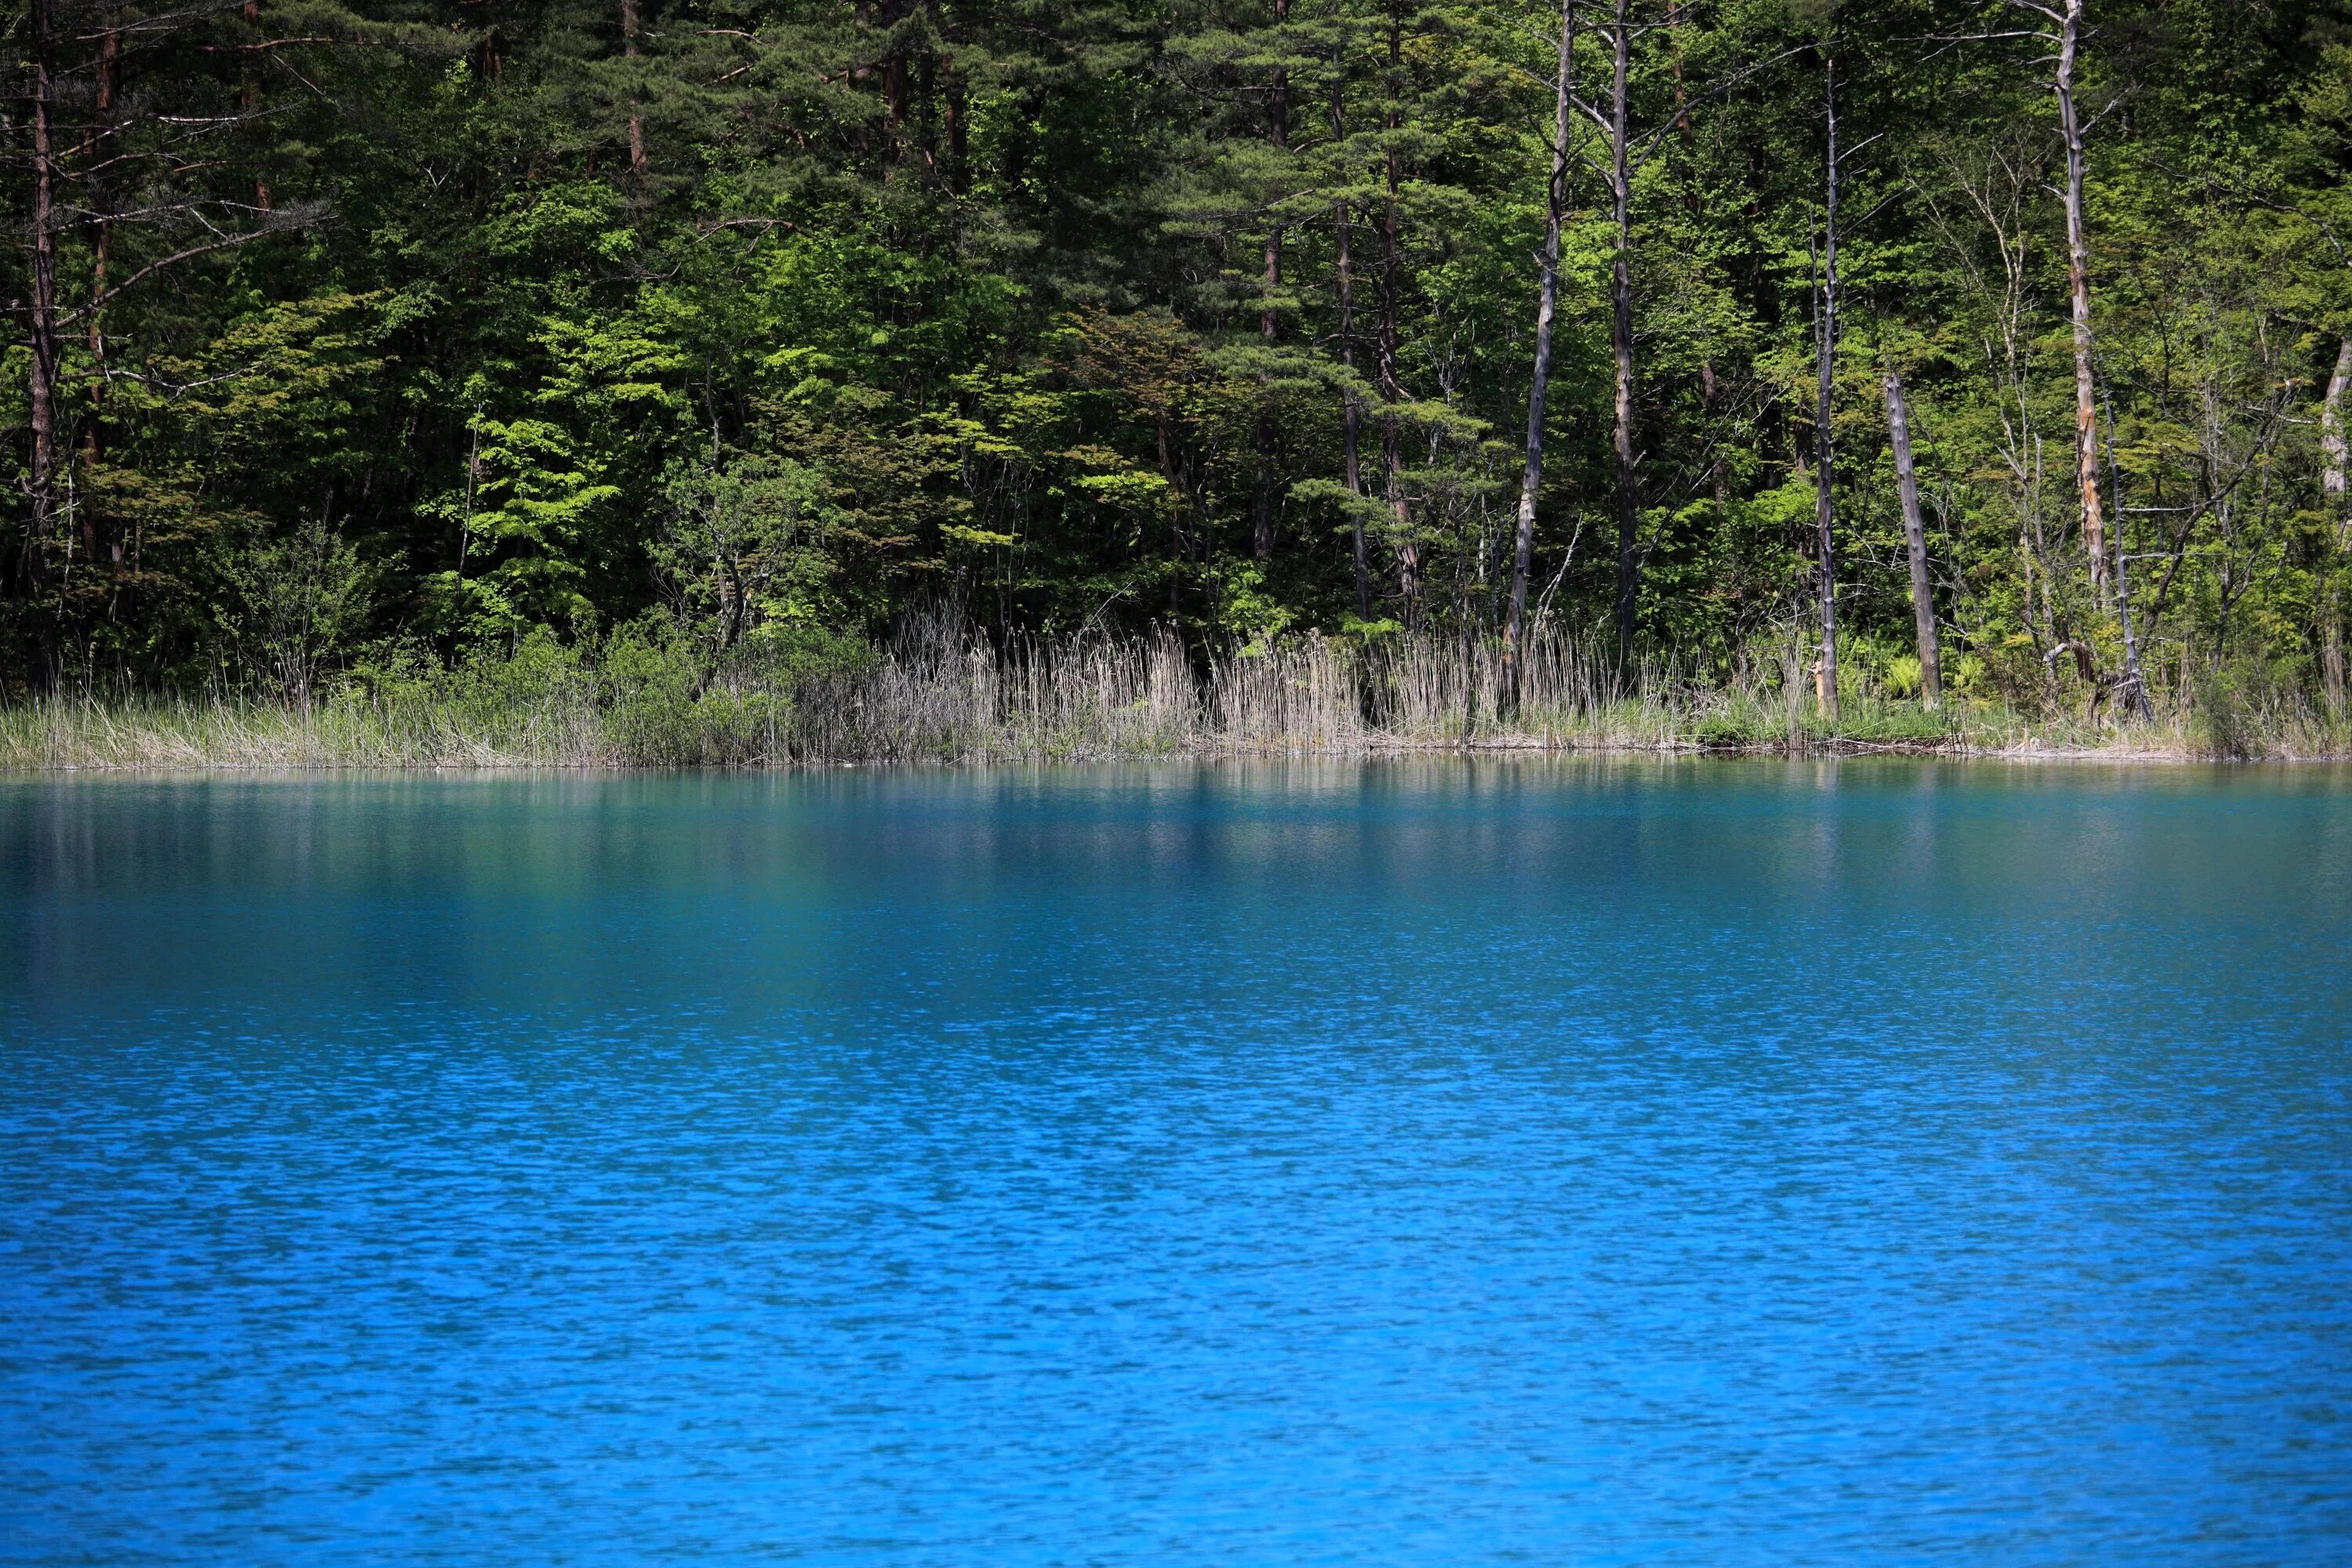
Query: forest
{"points": [[718, 370]]}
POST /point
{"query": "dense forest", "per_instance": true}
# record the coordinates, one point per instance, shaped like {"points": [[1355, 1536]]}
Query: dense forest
{"points": [[1983, 350]]}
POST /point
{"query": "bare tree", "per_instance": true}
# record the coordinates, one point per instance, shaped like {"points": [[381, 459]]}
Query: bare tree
{"points": [[1547, 299], [2332, 471], [1278, 133], [1408, 552], [637, 117], [2135, 685], [2065, 35], [1621, 167], [1914, 538], [44, 322], [1824, 440], [2332, 445], [1351, 412], [1628, 151]]}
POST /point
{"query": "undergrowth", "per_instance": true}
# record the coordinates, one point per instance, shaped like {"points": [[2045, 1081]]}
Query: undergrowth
{"points": [[940, 694]]}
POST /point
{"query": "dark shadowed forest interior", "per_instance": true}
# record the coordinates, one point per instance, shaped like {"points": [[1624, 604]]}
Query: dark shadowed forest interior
{"points": [[1925, 354]]}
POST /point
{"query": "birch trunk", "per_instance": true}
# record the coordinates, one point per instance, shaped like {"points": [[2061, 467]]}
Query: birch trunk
{"points": [[1824, 443], [1621, 333], [1915, 537], [2333, 455], [2135, 686], [2332, 466], [2078, 273], [1547, 301]]}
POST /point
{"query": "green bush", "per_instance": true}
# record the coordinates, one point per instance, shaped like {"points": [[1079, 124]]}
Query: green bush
{"points": [[1898, 726], [2226, 717], [1902, 677], [1737, 732]]}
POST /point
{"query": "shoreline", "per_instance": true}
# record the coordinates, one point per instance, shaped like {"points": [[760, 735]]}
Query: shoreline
{"points": [[1374, 751]]}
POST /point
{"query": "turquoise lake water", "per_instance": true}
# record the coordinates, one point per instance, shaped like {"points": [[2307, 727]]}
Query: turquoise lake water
{"points": [[1439, 1162]]}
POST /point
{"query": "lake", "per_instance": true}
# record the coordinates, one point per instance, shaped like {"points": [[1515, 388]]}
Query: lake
{"points": [[1412, 1162]]}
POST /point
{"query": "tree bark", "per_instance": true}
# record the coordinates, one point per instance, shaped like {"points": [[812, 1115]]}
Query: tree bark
{"points": [[2078, 272], [636, 120], [2333, 456], [1621, 334], [951, 107], [1278, 134], [43, 479], [1351, 415], [1539, 383], [1392, 392], [2135, 688], [251, 100], [109, 76], [1824, 440], [1915, 537], [2334, 463]]}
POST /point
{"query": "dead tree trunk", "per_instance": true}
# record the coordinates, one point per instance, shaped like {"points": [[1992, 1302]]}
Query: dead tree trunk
{"points": [[1278, 133], [2078, 275], [1824, 443], [637, 119], [251, 96], [2333, 456], [1914, 536], [1547, 301], [2135, 685], [2333, 465], [1351, 415], [1621, 333], [109, 76], [1392, 392], [43, 477]]}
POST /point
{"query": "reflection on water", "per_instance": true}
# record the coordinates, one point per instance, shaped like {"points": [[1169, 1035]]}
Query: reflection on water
{"points": [[1440, 1162]]}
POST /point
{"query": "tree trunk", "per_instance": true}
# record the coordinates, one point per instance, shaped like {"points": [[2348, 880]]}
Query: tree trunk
{"points": [[1620, 335], [1824, 443], [1392, 392], [1914, 536], [43, 479], [1546, 303], [637, 121], [1351, 415], [2333, 456], [2332, 466], [2078, 272], [2331, 664], [1278, 134], [252, 99], [2135, 688], [110, 75], [952, 105]]}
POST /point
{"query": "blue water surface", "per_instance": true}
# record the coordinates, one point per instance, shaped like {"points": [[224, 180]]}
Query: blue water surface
{"points": [[1441, 1163]]}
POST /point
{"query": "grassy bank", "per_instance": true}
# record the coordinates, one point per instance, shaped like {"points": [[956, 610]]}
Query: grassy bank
{"points": [[940, 697]]}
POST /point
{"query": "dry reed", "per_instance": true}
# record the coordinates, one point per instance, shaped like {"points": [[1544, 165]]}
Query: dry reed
{"points": [[942, 694]]}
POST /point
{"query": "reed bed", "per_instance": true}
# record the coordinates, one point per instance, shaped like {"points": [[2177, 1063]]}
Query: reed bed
{"points": [[941, 694]]}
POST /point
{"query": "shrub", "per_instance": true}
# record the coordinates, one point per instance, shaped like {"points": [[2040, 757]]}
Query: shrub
{"points": [[1902, 677], [1737, 731], [2225, 717]]}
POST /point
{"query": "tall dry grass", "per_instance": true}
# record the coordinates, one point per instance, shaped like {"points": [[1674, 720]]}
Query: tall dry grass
{"points": [[943, 694]]}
